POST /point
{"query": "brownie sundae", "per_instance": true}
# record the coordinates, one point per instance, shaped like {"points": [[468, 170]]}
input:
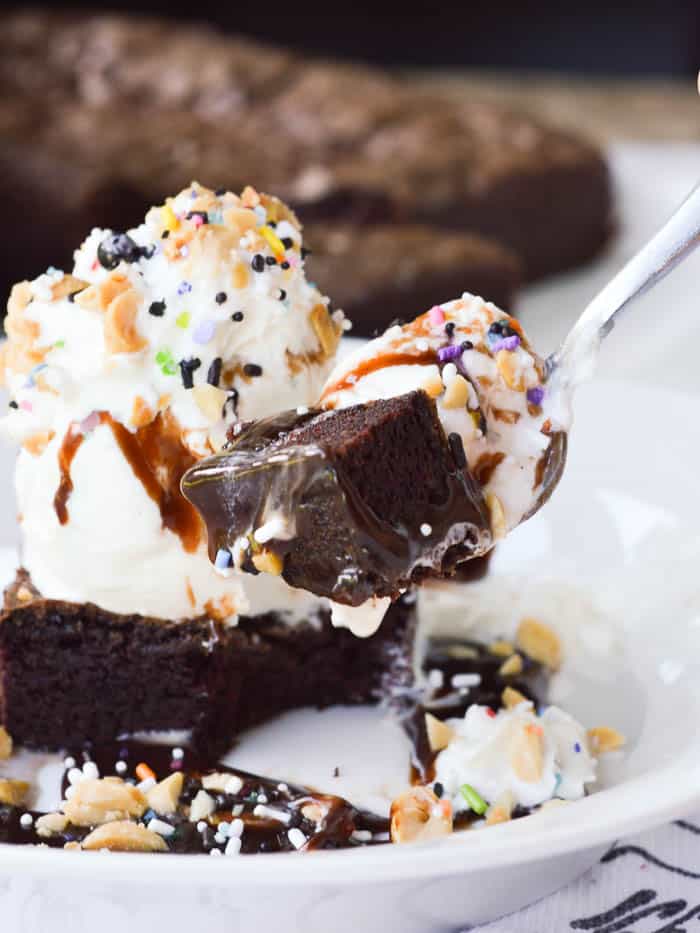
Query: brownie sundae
{"points": [[132, 614]]}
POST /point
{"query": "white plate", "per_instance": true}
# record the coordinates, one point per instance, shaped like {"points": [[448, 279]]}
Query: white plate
{"points": [[613, 562]]}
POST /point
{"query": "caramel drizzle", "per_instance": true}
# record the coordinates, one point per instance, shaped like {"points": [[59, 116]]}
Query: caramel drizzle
{"points": [[485, 467], [158, 458], [69, 448], [383, 360]]}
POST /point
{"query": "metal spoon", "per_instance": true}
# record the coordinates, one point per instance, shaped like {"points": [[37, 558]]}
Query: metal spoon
{"points": [[574, 362]]}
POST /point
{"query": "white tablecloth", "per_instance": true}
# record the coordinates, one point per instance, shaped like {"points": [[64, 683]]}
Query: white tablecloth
{"points": [[647, 884]]}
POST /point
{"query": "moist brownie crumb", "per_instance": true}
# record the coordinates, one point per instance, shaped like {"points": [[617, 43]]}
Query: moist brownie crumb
{"points": [[73, 672]]}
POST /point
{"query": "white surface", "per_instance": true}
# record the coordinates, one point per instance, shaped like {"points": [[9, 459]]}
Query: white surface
{"points": [[617, 548]]}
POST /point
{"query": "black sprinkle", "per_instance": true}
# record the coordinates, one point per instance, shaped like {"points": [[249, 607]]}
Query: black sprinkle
{"points": [[438, 789], [502, 329], [305, 252], [457, 448], [284, 265], [220, 192], [336, 771], [231, 402], [258, 263], [119, 247], [165, 234], [157, 308], [296, 819], [237, 316], [282, 294], [466, 345], [187, 368], [203, 214], [270, 260], [220, 297], [252, 369], [214, 373], [71, 297], [450, 328], [14, 404], [287, 242]]}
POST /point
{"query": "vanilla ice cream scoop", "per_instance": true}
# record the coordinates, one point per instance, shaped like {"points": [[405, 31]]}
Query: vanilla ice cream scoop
{"points": [[127, 370], [489, 388]]}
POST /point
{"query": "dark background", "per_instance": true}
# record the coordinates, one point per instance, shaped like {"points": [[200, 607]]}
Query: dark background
{"points": [[648, 37]]}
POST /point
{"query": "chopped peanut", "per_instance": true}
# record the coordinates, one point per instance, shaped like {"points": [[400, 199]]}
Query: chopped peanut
{"points": [[605, 739], [511, 698], [96, 801], [268, 562], [164, 797], [439, 733], [121, 335], [539, 642], [124, 836], [497, 516], [418, 815], [37, 443], [512, 666], [527, 754], [325, 329], [456, 393]]}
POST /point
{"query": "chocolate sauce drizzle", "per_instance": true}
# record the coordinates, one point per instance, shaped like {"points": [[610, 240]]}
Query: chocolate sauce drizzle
{"points": [[158, 458], [272, 467], [326, 821]]}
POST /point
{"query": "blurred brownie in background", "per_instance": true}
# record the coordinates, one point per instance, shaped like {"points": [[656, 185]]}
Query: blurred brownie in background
{"points": [[381, 273], [103, 114]]}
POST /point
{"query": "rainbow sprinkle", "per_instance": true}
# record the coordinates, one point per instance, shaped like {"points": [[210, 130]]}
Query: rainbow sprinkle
{"points": [[506, 343], [276, 245], [166, 362], [447, 354], [535, 395], [204, 332], [474, 799], [183, 320], [436, 315]]}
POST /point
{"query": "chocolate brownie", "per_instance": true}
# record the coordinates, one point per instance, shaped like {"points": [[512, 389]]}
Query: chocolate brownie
{"points": [[74, 672], [380, 273], [348, 504], [95, 124]]}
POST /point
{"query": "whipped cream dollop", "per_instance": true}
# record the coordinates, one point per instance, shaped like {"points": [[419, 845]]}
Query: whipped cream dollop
{"points": [[515, 755], [488, 384], [126, 370]]}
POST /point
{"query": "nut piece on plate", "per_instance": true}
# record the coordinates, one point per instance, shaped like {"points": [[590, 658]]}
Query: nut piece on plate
{"points": [[124, 836], [418, 815], [50, 824], [439, 733], [164, 797], [104, 800]]}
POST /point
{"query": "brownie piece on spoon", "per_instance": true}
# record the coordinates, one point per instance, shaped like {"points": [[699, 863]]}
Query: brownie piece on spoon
{"points": [[351, 504]]}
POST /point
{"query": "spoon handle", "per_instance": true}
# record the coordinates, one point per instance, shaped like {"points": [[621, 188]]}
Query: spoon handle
{"points": [[575, 360]]}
